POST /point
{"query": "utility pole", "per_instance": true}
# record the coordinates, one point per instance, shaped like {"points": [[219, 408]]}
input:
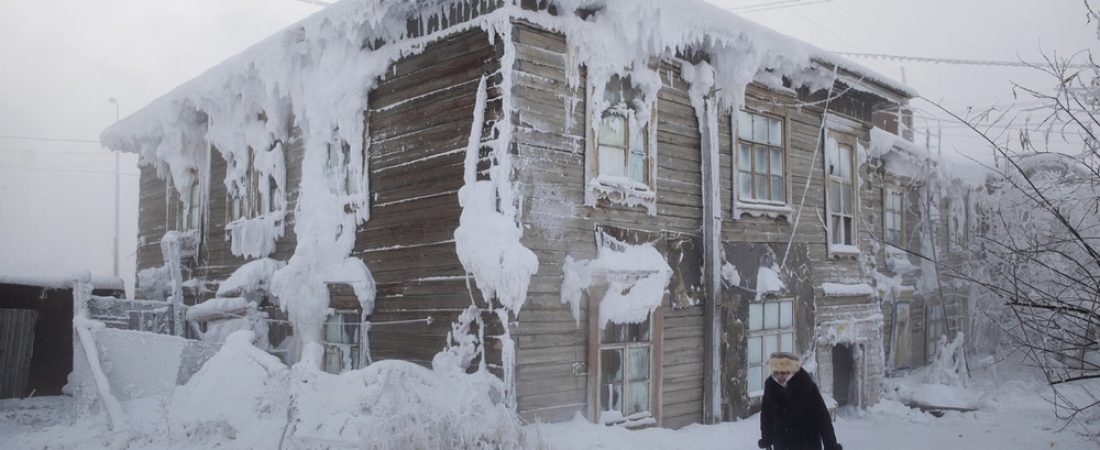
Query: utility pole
{"points": [[114, 248]]}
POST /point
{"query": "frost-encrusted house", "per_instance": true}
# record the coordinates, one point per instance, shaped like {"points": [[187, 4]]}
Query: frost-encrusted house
{"points": [[640, 198]]}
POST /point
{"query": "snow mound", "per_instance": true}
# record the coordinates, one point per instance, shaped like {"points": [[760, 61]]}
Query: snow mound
{"points": [[238, 395], [399, 405]]}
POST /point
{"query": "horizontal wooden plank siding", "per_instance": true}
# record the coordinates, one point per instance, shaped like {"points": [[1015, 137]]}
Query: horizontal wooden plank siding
{"points": [[552, 359], [419, 119]]}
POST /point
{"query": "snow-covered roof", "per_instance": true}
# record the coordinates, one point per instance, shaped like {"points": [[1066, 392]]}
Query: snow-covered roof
{"points": [[332, 41], [61, 281]]}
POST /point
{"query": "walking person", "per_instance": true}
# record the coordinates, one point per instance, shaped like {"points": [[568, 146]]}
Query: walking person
{"points": [[793, 415]]}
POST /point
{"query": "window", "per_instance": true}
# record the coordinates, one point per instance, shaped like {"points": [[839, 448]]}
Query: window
{"points": [[892, 217], [342, 341], [342, 176], [190, 216], [760, 158], [771, 329], [625, 372], [841, 195], [238, 204], [933, 329], [622, 147]]}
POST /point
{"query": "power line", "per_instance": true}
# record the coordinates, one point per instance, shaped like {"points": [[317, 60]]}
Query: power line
{"points": [[48, 169], [779, 4], [956, 61], [46, 139]]}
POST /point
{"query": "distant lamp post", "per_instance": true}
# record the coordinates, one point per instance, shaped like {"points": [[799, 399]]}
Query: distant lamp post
{"points": [[114, 249]]}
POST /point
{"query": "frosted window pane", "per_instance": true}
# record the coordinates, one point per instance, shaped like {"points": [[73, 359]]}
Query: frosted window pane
{"points": [[771, 316], [761, 163], [611, 366], [785, 315], [611, 397], [613, 131], [639, 364], [759, 128], [777, 162], [744, 125], [333, 329], [755, 351], [756, 379], [775, 132], [756, 317], [786, 342], [761, 186], [778, 193], [612, 160], [845, 161], [639, 399], [834, 196], [771, 345], [637, 165], [846, 197]]}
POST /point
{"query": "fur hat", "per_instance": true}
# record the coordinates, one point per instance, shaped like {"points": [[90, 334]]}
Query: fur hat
{"points": [[784, 362]]}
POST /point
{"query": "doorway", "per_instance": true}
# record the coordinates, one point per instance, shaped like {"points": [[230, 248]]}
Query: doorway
{"points": [[844, 379]]}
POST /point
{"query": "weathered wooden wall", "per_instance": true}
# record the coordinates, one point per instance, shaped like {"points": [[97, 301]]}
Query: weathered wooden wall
{"points": [[419, 124], [550, 133]]}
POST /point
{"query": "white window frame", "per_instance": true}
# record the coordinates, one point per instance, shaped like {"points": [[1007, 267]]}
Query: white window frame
{"points": [[760, 331], [602, 183], [748, 136], [893, 214], [834, 206]]}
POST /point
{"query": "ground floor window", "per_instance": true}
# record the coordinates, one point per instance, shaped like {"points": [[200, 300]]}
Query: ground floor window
{"points": [[933, 328], [342, 341], [771, 329], [625, 372]]}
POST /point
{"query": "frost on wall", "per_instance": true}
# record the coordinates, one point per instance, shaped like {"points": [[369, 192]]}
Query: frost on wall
{"points": [[636, 277], [309, 85]]}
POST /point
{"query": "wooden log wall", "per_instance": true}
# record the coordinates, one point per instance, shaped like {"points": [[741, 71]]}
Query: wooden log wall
{"points": [[419, 121], [550, 129]]}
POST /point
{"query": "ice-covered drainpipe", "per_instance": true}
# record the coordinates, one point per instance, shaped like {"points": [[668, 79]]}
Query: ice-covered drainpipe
{"points": [[712, 228]]}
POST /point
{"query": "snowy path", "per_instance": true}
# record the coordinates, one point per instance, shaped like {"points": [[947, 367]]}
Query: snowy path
{"points": [[1018, 422]]}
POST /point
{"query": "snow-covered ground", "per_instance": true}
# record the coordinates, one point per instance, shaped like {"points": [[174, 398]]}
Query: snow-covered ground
{"points": [[1012, 415]]}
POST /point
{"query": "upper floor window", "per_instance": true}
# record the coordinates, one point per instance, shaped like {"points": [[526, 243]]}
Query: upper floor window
{"points": [[190, 212], [760, 158], [622, 143], [892, 217], [841, 193]]}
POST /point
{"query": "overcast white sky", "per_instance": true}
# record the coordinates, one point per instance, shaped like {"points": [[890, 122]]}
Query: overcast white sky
{"points": [[63, 59]]}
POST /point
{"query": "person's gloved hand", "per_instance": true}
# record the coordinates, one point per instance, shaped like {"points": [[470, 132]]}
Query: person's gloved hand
{"points": [[764, 443]]}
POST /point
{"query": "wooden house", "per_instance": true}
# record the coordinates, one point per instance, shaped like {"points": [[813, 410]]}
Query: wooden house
{"points": [[736, 153]]}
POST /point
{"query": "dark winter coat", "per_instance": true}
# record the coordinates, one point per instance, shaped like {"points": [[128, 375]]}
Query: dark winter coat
{"points": [[795, 417]]}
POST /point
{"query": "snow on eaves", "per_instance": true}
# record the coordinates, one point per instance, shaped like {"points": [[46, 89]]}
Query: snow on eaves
{"points": [[261, 73]]}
